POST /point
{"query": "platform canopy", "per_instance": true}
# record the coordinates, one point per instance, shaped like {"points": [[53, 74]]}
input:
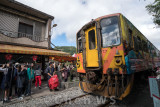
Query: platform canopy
{"points": [[63, 58], [29, 50]]}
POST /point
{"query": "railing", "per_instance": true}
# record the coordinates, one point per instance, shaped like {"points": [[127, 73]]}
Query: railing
{"points": [[20, 35]]}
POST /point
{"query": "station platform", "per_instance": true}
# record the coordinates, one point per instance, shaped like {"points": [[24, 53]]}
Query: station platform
{"points": [[36, 92]]}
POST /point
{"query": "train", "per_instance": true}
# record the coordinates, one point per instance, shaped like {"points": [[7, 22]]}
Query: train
{"points": [[110, 51]]}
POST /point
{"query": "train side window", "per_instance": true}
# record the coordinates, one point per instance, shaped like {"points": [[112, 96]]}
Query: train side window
{"points": [[136, 44], [149, 48], [145, 46], [130, 37], [91, 36], [139, 43], [79, 43], [152, 50]]}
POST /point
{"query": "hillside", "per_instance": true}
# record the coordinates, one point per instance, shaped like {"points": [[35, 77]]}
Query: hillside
{"points": [[68, 49]]}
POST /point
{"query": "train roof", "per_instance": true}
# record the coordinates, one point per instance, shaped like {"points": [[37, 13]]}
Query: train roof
{"points": [[110, 15], [93, 20]]}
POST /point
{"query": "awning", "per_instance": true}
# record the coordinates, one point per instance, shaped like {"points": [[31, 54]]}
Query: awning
{"points": [[28, 50], [63, 58]]}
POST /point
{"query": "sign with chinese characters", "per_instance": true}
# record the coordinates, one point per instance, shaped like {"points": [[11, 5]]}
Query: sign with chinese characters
{"points": [[154, 87]]}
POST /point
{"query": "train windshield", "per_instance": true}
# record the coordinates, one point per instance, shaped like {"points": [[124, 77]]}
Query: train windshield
{"points": [[110, 31]]}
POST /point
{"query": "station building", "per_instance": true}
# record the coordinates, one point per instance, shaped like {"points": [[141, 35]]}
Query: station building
{"points": [[25, 34]]}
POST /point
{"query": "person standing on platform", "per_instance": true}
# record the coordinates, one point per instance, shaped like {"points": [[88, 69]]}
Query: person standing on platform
{"points": [[19, 82], [50, 70], [11, 68], [38, 76], [71, 72], [30, 73], [59, 73], [5, 85], [65, 75], [24, 80], [15, 77]]}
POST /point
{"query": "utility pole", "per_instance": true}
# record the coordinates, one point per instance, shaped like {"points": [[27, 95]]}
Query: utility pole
{"points": [[49, 36]]}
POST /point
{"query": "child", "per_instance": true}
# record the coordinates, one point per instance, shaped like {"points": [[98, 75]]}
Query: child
{"points": [[38, 76]]}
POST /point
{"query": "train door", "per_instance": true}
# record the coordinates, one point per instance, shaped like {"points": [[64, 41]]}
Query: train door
{"points": [[91, 48]]}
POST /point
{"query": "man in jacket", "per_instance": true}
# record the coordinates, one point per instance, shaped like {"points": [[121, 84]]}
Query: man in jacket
{"points": [[50, 71]]}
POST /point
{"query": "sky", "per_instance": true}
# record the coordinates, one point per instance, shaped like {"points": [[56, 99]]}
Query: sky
{"points": [[71, 15]]}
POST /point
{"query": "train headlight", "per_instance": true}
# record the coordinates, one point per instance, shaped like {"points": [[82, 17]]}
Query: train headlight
{"points": [[78, 65], [118, 60]]}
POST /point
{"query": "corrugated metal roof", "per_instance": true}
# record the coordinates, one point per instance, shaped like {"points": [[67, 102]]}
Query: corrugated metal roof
{"points": [[25, 9]]}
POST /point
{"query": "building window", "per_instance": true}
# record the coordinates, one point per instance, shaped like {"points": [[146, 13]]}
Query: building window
{"points": [[25, 28]]}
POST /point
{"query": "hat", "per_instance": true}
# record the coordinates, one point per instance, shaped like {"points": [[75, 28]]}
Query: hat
{"points": [[16, 63], [50, 63]]}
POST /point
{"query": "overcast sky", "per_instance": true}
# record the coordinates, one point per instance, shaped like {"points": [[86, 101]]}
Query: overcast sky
{"points": [[71, 15]]}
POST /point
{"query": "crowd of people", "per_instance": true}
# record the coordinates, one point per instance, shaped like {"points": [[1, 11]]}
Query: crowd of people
{"points": [[61, 70], [18, 75], [21, 76]]}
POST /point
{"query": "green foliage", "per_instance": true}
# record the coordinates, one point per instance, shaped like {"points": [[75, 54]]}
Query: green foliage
{"points": [[68, 49], [154, 10]]}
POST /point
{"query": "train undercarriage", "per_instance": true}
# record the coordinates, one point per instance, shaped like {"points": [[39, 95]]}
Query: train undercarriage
{"points": [[111, 85]]}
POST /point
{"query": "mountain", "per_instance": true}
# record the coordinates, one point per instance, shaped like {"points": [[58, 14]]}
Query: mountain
{"points": [[68, 49]]}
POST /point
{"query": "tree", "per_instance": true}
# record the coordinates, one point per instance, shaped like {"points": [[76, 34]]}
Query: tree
{"points": [[154, 10]]}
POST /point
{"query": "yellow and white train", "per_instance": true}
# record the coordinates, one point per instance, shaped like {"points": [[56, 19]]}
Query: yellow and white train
{"points": [[110, 50]]}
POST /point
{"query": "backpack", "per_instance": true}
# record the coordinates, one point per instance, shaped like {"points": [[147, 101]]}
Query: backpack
{"points": [[53, 82]]}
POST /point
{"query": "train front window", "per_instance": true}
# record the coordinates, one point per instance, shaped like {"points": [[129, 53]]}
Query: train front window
{"points": [[110, 31], [92, 43]]}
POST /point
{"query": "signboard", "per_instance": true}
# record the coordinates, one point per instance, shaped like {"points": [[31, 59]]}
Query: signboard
{"points": [[8, 57], [156, 101], [34, 58], [154, 87]]}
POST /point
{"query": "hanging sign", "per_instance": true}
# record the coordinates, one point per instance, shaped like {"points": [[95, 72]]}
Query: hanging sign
{"points": [[156, 100], [8, 57], [154, 89], [34, 58]]}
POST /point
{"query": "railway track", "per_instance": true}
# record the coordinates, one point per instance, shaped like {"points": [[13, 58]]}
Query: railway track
{"points": [[86, 100], [72, 97]]}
